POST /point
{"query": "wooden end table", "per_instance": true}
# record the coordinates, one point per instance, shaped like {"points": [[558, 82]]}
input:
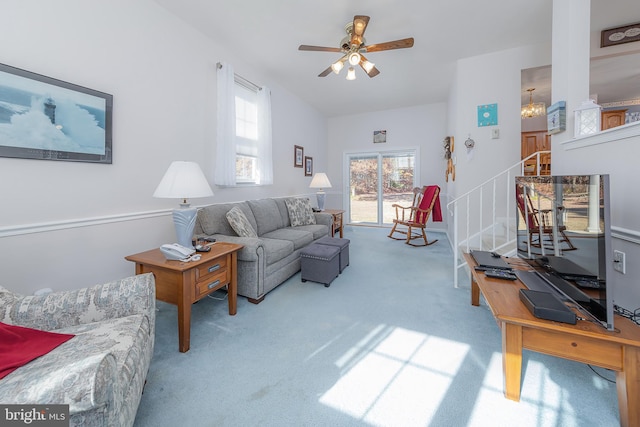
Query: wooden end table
{"points": [[337, 220], [183, 283]]}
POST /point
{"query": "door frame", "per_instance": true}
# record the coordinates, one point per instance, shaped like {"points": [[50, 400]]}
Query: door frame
{"points": [[347, 155]]}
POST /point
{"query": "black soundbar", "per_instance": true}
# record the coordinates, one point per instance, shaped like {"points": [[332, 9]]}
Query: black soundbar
{"points": [[545, 305]]}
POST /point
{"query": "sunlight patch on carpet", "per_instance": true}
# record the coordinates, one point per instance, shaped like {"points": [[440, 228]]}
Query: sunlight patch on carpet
{"points": [[542, 401], [395, 376]]}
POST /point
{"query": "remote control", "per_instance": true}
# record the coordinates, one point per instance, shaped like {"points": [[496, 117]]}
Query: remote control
{"points": [[500, 274]]}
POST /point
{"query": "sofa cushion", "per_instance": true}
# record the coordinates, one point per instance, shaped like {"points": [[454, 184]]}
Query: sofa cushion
{"points": [[212, 219], [267, 215], [240, 223], [300, 212], [284, 211], [276, 249], [316, 230], [20, 345], [299, 238]]}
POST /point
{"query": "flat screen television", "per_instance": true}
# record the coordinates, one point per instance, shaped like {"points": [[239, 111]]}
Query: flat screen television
{"points": [[564, 228]]}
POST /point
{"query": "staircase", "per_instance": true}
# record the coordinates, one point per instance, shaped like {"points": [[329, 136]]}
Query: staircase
{"points": [[484, 218]]}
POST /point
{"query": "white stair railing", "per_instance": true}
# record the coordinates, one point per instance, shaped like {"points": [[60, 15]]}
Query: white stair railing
{"points": [[488, 214]]}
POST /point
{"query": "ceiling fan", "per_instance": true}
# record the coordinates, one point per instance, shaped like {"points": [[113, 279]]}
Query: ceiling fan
{"points": [[352, 47]]}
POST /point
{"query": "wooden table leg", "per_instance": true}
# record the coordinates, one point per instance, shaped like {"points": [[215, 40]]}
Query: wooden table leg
{"points": [[475, 292], [184, 316], [628, 385], [232, 293], [512, 360]]}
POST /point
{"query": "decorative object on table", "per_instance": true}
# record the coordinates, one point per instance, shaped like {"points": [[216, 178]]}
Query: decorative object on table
{"points": [[487, 115], [379, 136], [448, 155], [619, 35], [184, 180], [298, 156], [587, 118], [320, 181], [352, 47], [308, 166], [557, 117], [532, 109], [48, 119]]}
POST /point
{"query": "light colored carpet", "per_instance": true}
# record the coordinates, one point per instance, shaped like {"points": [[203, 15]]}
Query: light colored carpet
{"points": [[390, 343]]}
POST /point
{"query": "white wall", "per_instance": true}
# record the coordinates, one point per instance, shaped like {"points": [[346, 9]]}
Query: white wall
{"points": [[490, 79], [65, 225], [422, 127]]}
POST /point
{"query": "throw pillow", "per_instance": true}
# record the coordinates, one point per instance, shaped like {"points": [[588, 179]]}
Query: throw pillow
{"points": [[300, 212], [240, 223]]}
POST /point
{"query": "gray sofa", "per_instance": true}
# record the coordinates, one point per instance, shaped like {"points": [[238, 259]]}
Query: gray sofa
{"points": [[271, 258], [101, 371]]}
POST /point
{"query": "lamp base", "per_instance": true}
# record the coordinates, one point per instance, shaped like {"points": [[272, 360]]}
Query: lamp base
{"points": [[320, 197], [185, 222]]}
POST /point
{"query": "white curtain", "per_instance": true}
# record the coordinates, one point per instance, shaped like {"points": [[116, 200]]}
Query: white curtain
{"points": [[225, 173], [265, 156]]}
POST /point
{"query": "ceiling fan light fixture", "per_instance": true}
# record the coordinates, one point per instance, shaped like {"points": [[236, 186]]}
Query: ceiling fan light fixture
{"points": [[337, 66], [354, 58], [351, 73], [368, 66]]}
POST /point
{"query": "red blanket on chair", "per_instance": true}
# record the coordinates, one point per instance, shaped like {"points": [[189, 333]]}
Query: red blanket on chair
{"points": [[427, 198], [20, 345]]}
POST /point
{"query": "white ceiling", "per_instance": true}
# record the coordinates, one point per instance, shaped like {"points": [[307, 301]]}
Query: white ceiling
{"points": [[268, 34]]}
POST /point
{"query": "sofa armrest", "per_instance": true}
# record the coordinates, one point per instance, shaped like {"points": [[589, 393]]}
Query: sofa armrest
{"points": [[86, 383], [124, 297], [324, 219], [253, 246]]}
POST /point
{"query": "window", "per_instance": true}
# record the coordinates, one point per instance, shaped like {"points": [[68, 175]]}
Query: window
{"points": [[243, 153], [246, 134]]}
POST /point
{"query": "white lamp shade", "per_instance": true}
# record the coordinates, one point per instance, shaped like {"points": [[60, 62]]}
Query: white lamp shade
{"points": [[183, 180], [320, 180]]}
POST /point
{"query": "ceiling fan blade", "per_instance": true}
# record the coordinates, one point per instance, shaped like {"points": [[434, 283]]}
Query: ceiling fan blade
{"points": [[319, 48], [397, 44], [360, 23], [326, 72], [366, 65]]}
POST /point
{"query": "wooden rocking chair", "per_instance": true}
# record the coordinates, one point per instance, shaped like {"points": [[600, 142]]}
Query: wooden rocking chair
{"points": [[425, 200], [539, 224]]}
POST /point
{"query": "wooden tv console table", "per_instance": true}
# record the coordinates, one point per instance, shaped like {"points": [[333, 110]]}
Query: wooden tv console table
{"points": [[584, 342]]}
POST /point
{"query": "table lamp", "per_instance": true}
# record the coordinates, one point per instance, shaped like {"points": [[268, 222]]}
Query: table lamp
{"points": [[320, 181], [184, 180]]}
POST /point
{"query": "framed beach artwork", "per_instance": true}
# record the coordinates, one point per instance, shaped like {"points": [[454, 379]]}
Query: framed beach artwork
{"points": [[48, 119]]}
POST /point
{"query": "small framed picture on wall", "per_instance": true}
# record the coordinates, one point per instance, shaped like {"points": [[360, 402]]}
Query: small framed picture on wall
{"points": [[308, 166], [298, 156]]}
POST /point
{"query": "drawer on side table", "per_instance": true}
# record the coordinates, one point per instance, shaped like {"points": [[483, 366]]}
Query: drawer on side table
{"points": [[211, 277]]}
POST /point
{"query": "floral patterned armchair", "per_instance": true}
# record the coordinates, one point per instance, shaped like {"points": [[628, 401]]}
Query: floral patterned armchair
{"points": [[101, 371]]}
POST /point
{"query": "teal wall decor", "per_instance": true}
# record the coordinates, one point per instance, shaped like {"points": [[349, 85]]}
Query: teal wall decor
{"points": [[487, 115]]}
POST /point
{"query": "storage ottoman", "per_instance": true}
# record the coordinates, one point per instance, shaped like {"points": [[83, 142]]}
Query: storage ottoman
{"points": [[343, 244], [320, 263]]}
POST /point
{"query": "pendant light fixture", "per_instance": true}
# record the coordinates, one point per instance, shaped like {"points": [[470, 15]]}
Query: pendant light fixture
{"points": [[533, 110]]}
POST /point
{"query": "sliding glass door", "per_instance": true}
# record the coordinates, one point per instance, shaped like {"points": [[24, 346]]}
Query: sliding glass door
{"points": [[377, 181]]}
